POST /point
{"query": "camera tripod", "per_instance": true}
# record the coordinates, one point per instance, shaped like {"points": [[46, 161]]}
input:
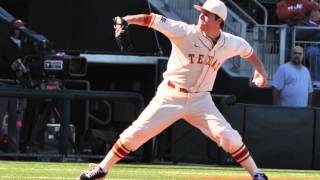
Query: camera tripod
{"points": [[41, 112]]}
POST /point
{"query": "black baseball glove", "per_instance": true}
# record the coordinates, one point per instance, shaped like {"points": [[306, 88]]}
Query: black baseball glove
{"points": [[122, 34]]}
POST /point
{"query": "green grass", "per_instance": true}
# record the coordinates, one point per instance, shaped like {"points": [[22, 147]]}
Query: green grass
{"points": [[53, 171]]}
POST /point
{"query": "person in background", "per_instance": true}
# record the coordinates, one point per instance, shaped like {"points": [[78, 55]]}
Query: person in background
{"points": [[310, 38], [291, 12], [292, 85], [11, 49]]}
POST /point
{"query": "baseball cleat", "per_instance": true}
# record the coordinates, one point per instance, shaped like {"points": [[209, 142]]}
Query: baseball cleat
{"points": [[94, 173], [260, 176]]}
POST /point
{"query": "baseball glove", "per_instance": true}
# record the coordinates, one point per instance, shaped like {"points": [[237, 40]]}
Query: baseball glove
{"points": [[122, 35]]}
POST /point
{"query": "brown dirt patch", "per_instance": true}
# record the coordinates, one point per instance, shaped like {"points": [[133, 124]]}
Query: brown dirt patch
{"points": [[241, 178], [236, 178]]}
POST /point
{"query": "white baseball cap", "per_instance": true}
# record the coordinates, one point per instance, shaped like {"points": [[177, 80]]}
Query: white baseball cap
{"points": [[214, 6]]}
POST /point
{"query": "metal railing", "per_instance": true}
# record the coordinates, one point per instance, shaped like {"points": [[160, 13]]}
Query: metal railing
{"points": [[243, 13], [311, 46], [264, 9], [183, 8], [66, 96], [269, 46], [275, 49]]}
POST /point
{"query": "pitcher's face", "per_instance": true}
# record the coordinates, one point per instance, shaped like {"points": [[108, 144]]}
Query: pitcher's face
{"points": [[208, 22]]}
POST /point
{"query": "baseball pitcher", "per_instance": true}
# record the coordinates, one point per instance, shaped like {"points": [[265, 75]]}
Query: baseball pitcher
{"points": [[198, 51]]}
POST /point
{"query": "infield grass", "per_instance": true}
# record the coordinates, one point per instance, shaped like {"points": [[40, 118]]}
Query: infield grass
{"points": [[42, 170]]}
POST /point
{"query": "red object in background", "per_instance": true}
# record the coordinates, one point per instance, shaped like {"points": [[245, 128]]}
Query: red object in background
{"points": [[292, 11]]}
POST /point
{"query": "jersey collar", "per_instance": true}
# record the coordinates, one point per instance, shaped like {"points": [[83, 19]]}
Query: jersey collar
{"points": [[208, 42]]}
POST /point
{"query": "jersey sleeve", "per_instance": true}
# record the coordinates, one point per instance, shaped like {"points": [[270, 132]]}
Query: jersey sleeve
{"points": [[278, 78], [244, 48], [169, 27], [310, 87]]}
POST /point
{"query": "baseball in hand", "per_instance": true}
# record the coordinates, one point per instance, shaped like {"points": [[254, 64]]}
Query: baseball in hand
{"points": [[260, 80]]}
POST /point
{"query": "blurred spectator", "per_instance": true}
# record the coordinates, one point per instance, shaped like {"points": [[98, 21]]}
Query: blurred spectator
{"points": [[312, 20], [310, 37], [292, 85], [291, 12], [10, 50]]}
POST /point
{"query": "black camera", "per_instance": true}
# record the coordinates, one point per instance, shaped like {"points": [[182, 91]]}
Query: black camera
{"points": [[60, 66], [39, 69], [66, 66], [44, 61], [40, 61]]}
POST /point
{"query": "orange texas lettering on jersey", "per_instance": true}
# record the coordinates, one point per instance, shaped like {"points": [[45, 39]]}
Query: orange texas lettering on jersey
{"points": [[200, 58]]}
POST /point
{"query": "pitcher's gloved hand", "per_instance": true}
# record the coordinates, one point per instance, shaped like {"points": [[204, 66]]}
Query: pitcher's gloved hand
{"points": [[122, 34], [120, 23]]}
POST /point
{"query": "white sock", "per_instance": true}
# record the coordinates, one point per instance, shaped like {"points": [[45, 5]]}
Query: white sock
{"points": [[250, 166], [109, 161]]}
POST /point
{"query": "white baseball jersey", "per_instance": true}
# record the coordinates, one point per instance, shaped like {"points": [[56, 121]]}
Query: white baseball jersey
{"points": [[194, 60], [184, 92]]}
